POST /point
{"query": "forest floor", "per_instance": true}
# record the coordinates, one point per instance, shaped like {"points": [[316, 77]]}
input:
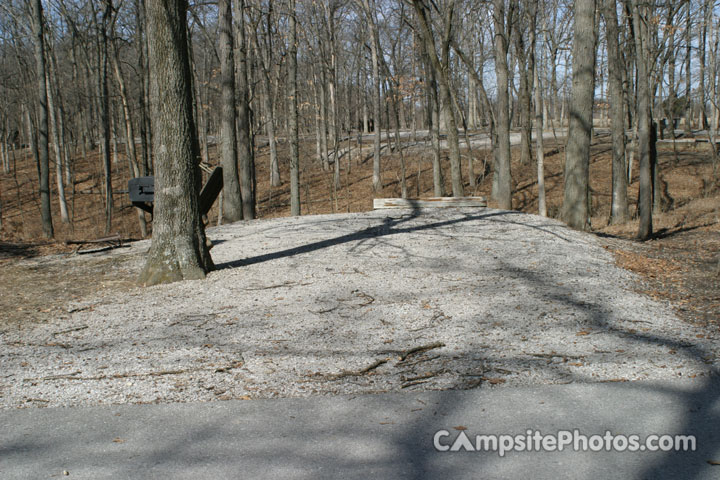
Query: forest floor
{"points": [[680, 264]]}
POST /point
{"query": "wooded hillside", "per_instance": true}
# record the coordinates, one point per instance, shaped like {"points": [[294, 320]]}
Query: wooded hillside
{"points": [[392, 98]]}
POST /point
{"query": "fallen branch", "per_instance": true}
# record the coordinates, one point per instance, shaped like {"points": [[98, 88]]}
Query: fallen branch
{"points": [[420, 349], [160, 373], [357, 373], [76, 329], [112, 238]]}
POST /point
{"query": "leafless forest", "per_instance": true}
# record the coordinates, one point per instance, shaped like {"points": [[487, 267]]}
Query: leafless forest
{"points": [[299, 101]]}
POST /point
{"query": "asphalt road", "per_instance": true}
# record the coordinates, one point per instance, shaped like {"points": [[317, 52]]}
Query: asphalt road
{"points": [[385, 436]]}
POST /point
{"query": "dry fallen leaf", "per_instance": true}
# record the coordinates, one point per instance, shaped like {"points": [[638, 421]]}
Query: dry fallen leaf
{"points": [[460, 427], [582, 332], [118, 440], [713, 462]]}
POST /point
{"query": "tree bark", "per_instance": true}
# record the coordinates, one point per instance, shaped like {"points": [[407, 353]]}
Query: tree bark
{"points": [[265, 60], [377, 171], [688, 71], [43, 147], [577, 154], [232, 199], [244, 140], [433, 119], [539, 120], [502, 177], [524, 92], [293, 114], [616, 64], [644, 118], [104, 109], [145, 128], [179, 250]]}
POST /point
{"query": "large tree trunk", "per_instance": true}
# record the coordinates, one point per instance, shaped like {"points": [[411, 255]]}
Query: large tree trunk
{"points": [[502, 178], [43, 147], [179, 250], [244, 140], [232, 200], [577, 154], [293, 120], [616, 64]]}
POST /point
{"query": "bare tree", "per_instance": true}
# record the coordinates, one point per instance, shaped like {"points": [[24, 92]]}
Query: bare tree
{"points": [[640, 15], [179, 250], [130, 149], [244, 139], [539, 120], [293, 116], [616, 64], [369, 9], [43, 148], [441, 65], [502, 177], [577, 154], [232, 200]]}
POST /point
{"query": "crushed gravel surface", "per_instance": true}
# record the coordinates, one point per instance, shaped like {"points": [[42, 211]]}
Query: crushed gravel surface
{"points": [[358, 303]]}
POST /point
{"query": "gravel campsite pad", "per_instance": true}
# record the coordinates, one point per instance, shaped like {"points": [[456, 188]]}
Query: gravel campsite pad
{"points": [[359, 303]]}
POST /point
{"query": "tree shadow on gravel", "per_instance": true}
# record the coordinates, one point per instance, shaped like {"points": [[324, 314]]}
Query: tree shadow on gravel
{"points": [[701, 413], [410, 443], [388, 226], [700, 417]]}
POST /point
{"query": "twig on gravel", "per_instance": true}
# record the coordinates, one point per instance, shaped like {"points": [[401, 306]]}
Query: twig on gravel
{"points": [[419, 360], [424, 376], [69, 330], [368, 299], [356, 373], [420, 349], [279, 285], [419, 379], [160, 373], [381, 361], [327, 310], [57, 344], [66, 376]]}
